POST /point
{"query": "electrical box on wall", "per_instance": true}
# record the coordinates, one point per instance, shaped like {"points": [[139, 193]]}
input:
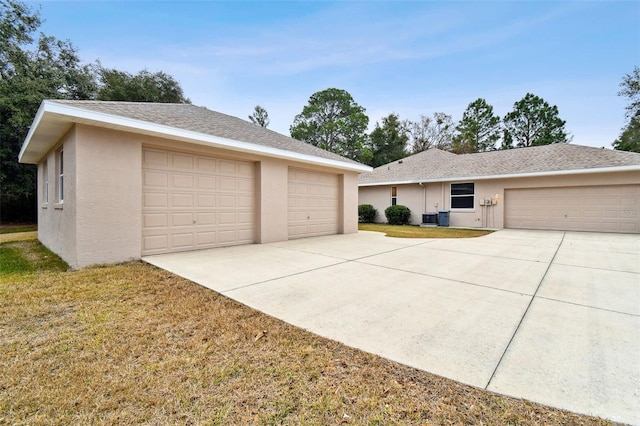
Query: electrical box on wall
{"points": [[494, 201], [482, 202], [487, 201]]}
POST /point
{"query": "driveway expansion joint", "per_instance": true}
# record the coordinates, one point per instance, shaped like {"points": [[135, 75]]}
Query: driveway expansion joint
{"points": [[525, 312]]}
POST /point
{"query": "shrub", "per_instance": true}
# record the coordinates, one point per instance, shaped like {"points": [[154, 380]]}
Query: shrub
{"points": [[367, 213], [397, 215]]}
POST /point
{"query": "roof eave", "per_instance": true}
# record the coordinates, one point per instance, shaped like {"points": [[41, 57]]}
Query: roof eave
{"points": [[508, 176], [72, 114]]}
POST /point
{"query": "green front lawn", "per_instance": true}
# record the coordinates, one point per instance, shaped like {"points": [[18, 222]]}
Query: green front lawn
{"points": [[413, 231]]}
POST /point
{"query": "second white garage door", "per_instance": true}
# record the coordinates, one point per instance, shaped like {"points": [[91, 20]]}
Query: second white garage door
{"points": [[193, 201], [313, 203], [607, 208]]}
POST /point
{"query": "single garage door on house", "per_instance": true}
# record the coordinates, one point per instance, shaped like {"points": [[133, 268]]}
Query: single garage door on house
{"points": [[606, 208], [192, 201], [313, 203]]}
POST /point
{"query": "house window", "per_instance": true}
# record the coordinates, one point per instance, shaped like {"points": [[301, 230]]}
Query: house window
{"points": [[60, 170], [394, 195], [462, 195], [45, 182]]}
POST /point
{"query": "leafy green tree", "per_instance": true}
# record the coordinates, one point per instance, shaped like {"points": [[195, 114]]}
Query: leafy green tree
{"points": [[629, 139], [478, 130], [428, 132], [30, 70], [259, 116], [533, 122], [334, 121], [631, 89], [142, 87], [388, 143]]}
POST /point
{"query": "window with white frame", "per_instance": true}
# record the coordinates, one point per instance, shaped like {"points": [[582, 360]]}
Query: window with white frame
{"points": [[463, 195], [394, 195], [60, 170], [45, 182]]}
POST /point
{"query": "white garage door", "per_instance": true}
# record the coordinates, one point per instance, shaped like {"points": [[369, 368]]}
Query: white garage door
{"points": [[313, 203], [192, 202], [613, 208]]}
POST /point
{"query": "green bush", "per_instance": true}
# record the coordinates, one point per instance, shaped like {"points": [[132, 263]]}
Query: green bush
{"points": [[397, 215], [367, 213]]}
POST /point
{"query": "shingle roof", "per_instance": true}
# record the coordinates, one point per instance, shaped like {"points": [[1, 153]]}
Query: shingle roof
{"points": [[202, 120], [435, 165]]}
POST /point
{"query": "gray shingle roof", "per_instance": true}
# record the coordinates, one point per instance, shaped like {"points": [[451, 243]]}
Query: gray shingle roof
{"points": [[205, 121], [434, 164]]}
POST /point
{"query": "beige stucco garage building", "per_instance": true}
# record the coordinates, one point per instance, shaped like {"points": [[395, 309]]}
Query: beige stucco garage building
{"points": [[120, 180], [559, 186]]}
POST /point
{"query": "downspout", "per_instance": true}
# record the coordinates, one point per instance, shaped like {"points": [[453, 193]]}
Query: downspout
{"points": [[424, 197]]}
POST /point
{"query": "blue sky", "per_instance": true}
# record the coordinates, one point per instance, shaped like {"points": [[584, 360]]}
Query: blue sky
{"points": [[409, 57]]}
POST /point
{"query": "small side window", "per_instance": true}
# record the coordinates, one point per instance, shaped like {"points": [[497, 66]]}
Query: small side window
{"points": [[394, 195], [462, 195], [60, 170], [45, 182]]}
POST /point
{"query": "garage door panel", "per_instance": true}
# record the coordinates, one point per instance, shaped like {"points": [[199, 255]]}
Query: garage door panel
{"points": [[245, 185], [182, 219], [181, 162], [227, 184], [156, 242], [206, 183], [182, 200], [205, 201], [193, 201], [312, 203], [182, 181], [605, 208], [245, 202], [153, 158], [206, 218], [245, 169], [184, 240], [157, 179], [244, 218], [155, 220], [227, 201], [207, 165], [157, 200], [206, 238]]}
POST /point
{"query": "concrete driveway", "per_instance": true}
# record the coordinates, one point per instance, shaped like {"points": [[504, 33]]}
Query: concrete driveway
{"points": [[549, 316]]}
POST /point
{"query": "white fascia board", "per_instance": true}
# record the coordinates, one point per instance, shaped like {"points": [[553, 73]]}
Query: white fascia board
{"points": [[32, 129], [510, 176], [81, 115]]}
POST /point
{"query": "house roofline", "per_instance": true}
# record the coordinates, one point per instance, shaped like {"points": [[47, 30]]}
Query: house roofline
{"points": [[77, 115], [509, 176]]}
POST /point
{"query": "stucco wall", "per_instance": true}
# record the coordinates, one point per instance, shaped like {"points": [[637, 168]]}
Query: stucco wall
{"points": [[349, 206], [271, 214], [416, 197], [108, 196], [57, 221], [419, 199], [101, 217]]}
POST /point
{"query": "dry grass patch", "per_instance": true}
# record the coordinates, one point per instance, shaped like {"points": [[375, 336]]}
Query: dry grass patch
{"points": [[132, 344], [20, 236], [413, 231]]}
